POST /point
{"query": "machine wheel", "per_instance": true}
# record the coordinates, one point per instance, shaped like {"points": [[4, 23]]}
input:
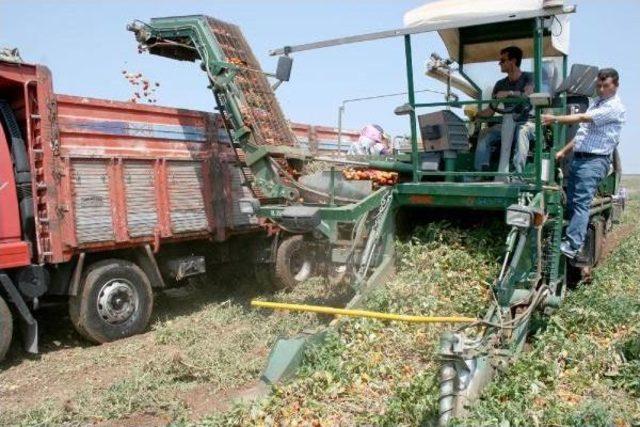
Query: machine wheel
{"points": [[114, 301], [574, 275], [6, 328], [294, 265]]}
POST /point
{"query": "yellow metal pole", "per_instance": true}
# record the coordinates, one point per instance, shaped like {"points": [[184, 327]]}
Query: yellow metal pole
{"points": [[361, 313]]}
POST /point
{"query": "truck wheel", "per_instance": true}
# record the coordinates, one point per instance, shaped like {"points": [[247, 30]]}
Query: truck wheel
{"points": [[114, 301], [6, 328], [294, 265]]}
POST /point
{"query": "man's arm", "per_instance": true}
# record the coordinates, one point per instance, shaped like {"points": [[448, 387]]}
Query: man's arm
{"points": [[565, 150], [601, 115], [486, 113], [571, 119], [528, 90]]}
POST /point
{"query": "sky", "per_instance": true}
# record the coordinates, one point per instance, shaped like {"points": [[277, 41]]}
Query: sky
{"points": [[86, 46]]}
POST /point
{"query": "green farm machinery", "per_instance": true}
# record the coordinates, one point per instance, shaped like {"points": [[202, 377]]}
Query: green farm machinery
{"points": [[354, 232]]}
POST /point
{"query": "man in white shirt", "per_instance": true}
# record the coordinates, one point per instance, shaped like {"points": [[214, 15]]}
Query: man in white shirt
{"points": [[593, 146]]}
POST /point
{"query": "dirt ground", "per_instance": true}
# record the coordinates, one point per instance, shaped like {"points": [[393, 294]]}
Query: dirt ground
{"points": [[69, 371], [67, 362]]}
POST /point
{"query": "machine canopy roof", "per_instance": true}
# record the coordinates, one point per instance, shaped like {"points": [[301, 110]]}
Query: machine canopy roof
{"points": [[482, 43]]}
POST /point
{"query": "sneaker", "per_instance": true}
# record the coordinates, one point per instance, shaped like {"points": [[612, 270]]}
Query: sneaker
{"points": [[567, 250]]}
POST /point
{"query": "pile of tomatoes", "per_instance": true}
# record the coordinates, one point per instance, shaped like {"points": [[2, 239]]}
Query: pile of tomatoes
{"points": [[379, 178]]}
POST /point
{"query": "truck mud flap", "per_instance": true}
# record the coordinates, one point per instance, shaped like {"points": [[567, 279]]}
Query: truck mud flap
{"points": [[28, 325]]}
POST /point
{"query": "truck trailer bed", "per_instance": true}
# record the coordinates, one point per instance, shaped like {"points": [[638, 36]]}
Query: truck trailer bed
{"points": [[135, 172]]}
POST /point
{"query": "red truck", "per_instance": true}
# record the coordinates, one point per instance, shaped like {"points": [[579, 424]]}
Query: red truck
{"points": [[103, 201]]}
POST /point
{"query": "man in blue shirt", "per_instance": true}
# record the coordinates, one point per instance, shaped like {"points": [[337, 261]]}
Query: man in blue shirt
{"points": [[593, 146]]}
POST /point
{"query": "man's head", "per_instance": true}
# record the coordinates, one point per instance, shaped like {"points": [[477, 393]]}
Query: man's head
{"points": [[607, 83], [510, 59], [386, 139]]}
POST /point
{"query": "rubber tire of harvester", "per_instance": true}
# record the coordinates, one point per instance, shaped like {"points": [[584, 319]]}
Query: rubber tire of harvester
{"points": [[83, 306], [6, 328], [285, 278], [573, 276]]}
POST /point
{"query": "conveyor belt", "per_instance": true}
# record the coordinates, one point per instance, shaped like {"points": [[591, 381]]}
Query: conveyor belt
{"points": [[267, 120]]}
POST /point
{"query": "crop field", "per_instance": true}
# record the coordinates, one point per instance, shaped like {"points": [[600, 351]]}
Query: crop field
{"points": [[199, 363]]}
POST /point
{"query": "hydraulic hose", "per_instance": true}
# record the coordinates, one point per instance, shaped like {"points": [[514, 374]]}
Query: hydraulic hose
{"points": [[362, 313]]}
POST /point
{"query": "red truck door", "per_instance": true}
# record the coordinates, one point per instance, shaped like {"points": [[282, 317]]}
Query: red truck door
{"points": [[13, 251]]}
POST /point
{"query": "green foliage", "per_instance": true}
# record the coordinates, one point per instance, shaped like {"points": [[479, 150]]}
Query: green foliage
{"points": [[374, 373], [414, 402], [628, 377], [592, 414]]}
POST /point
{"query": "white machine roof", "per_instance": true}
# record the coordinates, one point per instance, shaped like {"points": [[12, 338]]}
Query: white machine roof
{"points": [[451, 12]]}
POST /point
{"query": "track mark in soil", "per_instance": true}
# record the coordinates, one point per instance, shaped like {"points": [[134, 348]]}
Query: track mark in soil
{"points": [[201, 401]]}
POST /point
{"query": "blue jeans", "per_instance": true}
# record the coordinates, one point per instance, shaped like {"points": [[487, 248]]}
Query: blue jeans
{"points": [[524, 133], [485, 146], [585, 176]]}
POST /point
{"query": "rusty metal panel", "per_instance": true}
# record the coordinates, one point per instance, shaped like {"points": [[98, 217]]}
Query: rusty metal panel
{"points": [[92, 204], [238, 191], [93, 128], [142, 210], [186, 197]]}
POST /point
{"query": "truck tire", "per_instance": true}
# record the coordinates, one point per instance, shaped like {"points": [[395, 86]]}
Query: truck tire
{"points": [[114, 301], [6, 328], [293, 264]]}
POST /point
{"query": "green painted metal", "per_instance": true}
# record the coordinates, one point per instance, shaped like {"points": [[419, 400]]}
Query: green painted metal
{"points": [[563, 105], [449, 166], [537, 68], [286, 356], [388, 165], [608, 185], [474, 173], [346, 213], [556, 211], [477, 196], [332, 187], [457, 202], [488, 33], [501, 190], [454, 104], [599, 209], [412, 102], [487, 196]]}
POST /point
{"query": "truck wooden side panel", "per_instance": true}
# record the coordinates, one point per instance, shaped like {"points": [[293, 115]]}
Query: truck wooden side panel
{"points": [[136, 173]]}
